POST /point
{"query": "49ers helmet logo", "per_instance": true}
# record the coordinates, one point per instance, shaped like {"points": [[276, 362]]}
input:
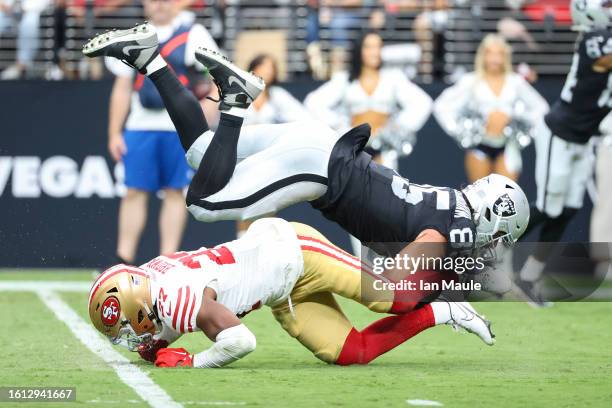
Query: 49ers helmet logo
{"points": [[110, 311], [504, 206]]}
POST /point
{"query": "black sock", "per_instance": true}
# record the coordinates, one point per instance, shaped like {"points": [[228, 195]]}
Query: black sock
{"points": [[183, 108], [219, 161]]}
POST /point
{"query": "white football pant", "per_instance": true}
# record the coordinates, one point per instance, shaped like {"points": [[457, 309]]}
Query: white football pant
{"points": [[277, 166]]}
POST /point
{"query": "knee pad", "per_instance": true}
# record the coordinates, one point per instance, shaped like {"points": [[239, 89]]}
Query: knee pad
{"points": [[556, 191]]}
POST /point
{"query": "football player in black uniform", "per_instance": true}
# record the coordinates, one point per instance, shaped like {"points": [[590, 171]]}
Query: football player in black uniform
{"points": [[248, 172], [563, 161]]}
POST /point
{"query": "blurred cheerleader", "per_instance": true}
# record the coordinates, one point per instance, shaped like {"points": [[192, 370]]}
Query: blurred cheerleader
{"points": [[394, 107], [492, 112], [273, 105]]}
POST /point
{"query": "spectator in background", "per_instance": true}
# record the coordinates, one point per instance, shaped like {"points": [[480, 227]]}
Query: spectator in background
{"points": [[342, 18], [149, 147], [492, 98], [429, 26], [392, 105], [24, 17], [87, 13], [316, 62], [57, 70], [273, 105], [512, 28]]}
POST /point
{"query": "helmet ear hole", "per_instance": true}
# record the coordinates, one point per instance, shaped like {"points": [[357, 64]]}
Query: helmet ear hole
{"points": [[140, 316]]}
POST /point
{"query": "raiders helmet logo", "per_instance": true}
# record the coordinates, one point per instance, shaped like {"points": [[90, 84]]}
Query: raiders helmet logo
{"points": [[504, 206], [110, 311]]}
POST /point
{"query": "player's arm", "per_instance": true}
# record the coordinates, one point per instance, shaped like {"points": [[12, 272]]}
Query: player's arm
{"points": [[232, 339], [430, 243]]}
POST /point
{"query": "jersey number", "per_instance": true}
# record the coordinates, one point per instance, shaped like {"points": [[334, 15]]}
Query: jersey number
{"points": [[594, 50], [461, 237], [220, 256], [413, 193]]}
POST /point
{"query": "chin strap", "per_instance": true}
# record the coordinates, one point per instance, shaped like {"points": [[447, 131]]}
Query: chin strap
{"points": [[153, 317]]}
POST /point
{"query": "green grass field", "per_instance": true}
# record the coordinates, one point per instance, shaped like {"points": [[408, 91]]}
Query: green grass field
{"points": [[558, 357]]}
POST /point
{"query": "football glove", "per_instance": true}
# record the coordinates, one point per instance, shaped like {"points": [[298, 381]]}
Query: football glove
{"points": [[148, 351], [173, 357]]}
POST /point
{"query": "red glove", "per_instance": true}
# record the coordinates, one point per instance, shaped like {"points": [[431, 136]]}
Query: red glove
{"points": [[148, 351], [174, 357]]}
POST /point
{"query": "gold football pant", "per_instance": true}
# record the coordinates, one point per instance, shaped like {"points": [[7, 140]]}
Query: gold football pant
{"points": [[315, 318]]}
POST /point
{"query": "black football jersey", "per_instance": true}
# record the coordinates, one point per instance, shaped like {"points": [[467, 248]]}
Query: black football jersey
{"points": [[385, 211], [586, 97]]}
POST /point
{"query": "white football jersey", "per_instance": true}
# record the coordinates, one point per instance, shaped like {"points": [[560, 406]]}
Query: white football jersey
{"points": [[258, 269]]}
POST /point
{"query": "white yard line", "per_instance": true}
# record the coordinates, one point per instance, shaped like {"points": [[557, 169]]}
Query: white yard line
{"points": [[424, 403], [130, 374], [131, 401]]}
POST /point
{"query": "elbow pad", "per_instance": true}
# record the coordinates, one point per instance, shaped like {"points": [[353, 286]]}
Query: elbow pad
{"points": [[230, 345]]}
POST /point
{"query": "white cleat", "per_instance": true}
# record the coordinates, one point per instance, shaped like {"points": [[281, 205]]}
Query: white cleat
{"points": [[464, 316]]}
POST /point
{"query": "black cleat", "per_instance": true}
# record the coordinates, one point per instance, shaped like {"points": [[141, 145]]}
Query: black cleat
{"points": [[237, 88], [136, 46], [531, 293]]}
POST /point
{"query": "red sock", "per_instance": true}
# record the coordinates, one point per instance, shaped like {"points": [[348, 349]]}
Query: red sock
{"points": [[384, 335]]}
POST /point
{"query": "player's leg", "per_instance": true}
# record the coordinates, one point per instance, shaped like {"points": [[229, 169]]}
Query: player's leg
{"points": [[319, 324], [138, 47], [580, 171], [554, 162], [554, 166], [290, 168], [237, 90], [329, 269]]}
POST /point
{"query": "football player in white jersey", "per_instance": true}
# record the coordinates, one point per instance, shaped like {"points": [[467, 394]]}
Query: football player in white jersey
{"points": [[289, 267]]}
